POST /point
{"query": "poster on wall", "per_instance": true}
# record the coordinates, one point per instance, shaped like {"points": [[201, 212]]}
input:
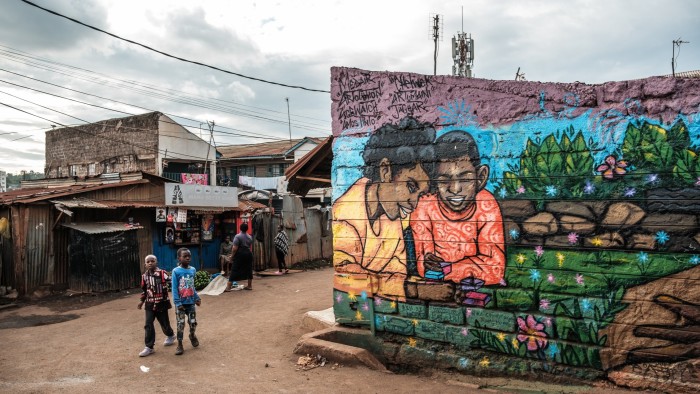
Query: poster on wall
{"points": [[195, 179], [207, 227], [160, 215], [169, 235], [184, 195], [181, 216]]}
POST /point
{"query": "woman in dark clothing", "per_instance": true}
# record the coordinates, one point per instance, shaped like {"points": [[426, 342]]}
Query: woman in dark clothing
{"points": [[242, 259]]}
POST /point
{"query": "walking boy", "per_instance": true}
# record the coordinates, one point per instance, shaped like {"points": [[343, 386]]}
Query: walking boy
{"points": [[155, 296], [281, 249], [185, 297]]}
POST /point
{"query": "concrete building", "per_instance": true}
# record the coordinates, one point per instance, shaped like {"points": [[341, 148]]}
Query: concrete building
{"points": [[151, 142]]}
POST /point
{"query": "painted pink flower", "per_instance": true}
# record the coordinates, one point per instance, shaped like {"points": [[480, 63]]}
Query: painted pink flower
{"points": [[377, 301], [697, 183], [502, 282], [469, 312], [573, 238], [521, 189], [548, 322], [551, 278], [365, 307], [465, 331], [579, 279], [539, 251], [612, 167], [532, 333], [544, 303]]}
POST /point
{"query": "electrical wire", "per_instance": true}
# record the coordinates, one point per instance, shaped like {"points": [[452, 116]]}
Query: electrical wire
{"points": [[21, 56], [169, 55]]}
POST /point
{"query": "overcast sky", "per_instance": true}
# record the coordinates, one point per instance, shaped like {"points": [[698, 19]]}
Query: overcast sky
{"points": [[296, 43]]}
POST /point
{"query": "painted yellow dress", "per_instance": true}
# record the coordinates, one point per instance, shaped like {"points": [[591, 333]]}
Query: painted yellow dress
{"points": [[362, 247]]}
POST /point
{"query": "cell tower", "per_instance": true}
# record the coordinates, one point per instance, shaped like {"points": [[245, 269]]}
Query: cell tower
{"points": [[462, 53]]}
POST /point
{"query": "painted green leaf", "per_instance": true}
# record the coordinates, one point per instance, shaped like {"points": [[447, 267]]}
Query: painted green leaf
{"points": [[549, 161], [633, 138], [657, 152], [678, 137], [511, 181], [580, 161], [685, 168]]}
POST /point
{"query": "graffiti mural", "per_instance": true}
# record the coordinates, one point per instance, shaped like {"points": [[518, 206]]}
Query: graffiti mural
{"points": [[521, 227]]}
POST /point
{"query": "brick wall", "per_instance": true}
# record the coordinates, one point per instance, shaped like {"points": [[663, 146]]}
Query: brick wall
{"points": [[521, 227], [115, 145]]}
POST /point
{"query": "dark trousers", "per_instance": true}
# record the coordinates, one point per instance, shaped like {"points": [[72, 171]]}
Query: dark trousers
{"points": [[163, 320], [188, 311], [280, 260]]}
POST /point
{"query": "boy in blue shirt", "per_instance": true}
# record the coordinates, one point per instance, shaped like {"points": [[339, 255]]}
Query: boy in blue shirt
{"points": [[185, 298]]}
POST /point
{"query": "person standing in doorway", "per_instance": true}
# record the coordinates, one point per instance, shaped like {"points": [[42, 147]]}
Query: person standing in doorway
{"points": [[185, 297], [154, 294], [242, 259], [281, 249]]}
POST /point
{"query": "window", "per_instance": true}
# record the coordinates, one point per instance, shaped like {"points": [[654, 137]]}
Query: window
{"points": [[246, 171], [74, 168], [91, 169], [276, 169]]}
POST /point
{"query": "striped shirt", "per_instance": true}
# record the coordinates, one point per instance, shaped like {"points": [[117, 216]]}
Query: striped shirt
{"points": [[154, 286]]}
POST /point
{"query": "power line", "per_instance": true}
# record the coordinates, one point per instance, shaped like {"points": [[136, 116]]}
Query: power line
{"points": [[255, 135], [53, 66], [95, 135], [169, 55]]}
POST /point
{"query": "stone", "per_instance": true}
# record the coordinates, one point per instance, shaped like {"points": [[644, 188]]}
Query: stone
{"points": [[678, 201], [605, 240], [433, 331], [570, 208], [576, 224], [670, 222], [556, 241], [544, 223], [416, 356], [642, 241], [446, 314], [517, 208], [623, 214], [415, 311], [597, 207], [398, 325]]}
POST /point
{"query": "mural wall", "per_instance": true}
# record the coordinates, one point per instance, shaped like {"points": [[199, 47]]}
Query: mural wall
{"points": [[520, 227]]}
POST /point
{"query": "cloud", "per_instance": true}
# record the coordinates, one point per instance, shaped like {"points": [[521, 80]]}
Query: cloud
{"points": [[31, 28]]}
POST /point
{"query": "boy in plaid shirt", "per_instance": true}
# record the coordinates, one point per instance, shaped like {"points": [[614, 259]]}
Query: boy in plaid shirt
{"points": [[155, 296]]}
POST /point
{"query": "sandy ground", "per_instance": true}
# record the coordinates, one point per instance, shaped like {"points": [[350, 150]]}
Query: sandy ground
{"points": [[90, 344]]}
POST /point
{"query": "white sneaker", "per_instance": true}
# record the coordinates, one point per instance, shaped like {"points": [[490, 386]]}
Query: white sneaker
{"points": [[147, 351], [169, 341]]}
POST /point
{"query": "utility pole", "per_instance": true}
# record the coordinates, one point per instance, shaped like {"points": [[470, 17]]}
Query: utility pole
{"points": [[436, 32], [211, 141], [289, 120], [676, 43]]}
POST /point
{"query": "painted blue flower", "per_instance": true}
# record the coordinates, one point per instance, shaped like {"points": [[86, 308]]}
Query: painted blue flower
{"points": [[514, 234], [585, 304], [463, 362], [458, 114], [553, 350], [695, 260], [534, 275], [662, 237], [551, 190], [502, 193], [363, 295], [653, 179], [377, 320], [589, 188], [630, 192], [642, 257]]}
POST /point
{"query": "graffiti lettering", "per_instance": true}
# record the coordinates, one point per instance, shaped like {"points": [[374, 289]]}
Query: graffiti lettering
{"points": [[399, 110], [359, 97]]}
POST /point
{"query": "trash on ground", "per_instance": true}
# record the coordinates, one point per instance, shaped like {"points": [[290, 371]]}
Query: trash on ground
{"points": [[308, 362]]}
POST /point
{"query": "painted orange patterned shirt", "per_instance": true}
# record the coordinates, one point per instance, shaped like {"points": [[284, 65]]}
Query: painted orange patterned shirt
{"points": [[471, 240]]}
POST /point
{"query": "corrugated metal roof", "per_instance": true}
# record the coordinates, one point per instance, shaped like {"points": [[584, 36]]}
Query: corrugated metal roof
{"points": [[275, 149], [39, 194], [101, 227], [80, 203]]}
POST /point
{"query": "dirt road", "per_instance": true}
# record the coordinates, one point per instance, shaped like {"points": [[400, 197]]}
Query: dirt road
{"points": [[87, 344]]}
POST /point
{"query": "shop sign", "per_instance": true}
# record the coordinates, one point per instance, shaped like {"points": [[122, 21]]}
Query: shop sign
{"points": [[178, 194]]}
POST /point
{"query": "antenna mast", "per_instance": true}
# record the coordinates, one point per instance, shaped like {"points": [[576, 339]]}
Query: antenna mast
{"points": [[436, 31], [676, 43], [462, 53]]}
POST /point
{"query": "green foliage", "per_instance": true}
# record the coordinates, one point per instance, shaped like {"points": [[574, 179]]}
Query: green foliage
{"points": [[558, 162], [651, 149], [201, 280]]}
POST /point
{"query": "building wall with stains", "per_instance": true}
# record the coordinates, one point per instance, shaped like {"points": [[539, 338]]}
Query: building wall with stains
{"points": [[521, 227]]}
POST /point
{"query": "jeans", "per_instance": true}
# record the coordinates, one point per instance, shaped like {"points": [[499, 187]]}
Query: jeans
{"points": [[163, 320], [188, 310], [280, 260]]}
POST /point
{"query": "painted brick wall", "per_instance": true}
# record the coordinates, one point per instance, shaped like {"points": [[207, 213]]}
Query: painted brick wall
{"points": [[116, 145], [521, 227]]}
